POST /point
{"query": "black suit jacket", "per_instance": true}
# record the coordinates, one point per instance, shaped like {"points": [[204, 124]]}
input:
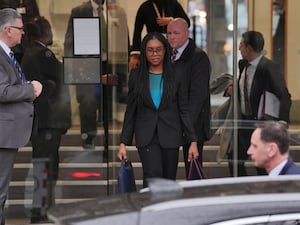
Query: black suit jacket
{"points": [[197, 73], [290, 168], [53, 105], [267, 77], [169, 121]]}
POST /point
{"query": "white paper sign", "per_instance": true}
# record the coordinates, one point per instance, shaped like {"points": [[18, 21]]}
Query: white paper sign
{"points": [[86, 36], [272, 104]]}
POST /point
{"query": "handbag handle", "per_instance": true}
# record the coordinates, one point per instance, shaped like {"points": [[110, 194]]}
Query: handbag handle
{"points": [[199, 169]]}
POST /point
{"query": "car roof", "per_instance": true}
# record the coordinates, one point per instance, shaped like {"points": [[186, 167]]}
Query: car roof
{"points": [[212, 200]]}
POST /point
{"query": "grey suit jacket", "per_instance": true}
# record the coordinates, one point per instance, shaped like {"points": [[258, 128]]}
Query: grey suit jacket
{"points": [[16, 106]]}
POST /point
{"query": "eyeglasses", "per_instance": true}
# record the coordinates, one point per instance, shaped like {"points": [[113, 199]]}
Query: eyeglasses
{"points": [[158, 51], [19, 28]]}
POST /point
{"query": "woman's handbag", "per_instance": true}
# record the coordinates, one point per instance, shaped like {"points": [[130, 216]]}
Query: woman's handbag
{"points": [[126, 180], [196, 171]]}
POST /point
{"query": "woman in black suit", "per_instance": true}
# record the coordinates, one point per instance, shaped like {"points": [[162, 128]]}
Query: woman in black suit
{"points": [[157, 111]]}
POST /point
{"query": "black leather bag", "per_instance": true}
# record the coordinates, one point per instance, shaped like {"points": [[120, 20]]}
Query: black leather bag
{"points": [[126, 180], [196, 171]]}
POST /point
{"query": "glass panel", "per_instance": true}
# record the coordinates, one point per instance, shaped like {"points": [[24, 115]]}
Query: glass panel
{"points": [[91, 172]]}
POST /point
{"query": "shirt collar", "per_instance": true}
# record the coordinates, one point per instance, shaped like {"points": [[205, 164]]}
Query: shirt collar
{"points": [[5, 47], [276, 171], [95, 6], [255, 61], [181, 49]]}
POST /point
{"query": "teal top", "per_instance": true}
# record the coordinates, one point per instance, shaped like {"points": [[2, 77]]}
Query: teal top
{"points": [[156, 87]]}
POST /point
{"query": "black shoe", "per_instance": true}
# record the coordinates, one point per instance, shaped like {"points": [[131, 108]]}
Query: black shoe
{"points": [[88, 146], [36, 216], [40, 219]]}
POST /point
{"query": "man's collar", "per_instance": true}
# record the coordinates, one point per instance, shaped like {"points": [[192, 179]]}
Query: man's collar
{"points": [[181, 49]]}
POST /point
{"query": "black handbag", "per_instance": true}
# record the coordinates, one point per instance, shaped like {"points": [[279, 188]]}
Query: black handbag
{"points": [[126, 180], [196, 171]]}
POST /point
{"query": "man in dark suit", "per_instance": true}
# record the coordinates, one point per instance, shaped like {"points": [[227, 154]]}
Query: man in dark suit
{"points": [[85, 93], [16, 100], [52, 109], [269, 149], [198, 69], [257, 75]]}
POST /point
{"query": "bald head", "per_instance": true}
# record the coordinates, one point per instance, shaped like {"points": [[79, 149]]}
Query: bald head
{"points": [[177, 32], [180, 22]]}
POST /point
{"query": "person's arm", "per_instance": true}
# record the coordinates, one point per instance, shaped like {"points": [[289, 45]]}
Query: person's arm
{"points": [[134, 60], [68, 44], [179, 12], [130, 113], [279, 88], [199, 83], [122, 152], [184, 110], [164, 21], [137, 32], [134, 57]]}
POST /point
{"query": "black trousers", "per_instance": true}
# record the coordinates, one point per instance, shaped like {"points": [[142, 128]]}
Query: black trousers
{"points": [[88, 106], [46, 145], [158, 161]]}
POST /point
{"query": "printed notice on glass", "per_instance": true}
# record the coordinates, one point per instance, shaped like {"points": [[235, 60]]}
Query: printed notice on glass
{"points": [[86, 36]]}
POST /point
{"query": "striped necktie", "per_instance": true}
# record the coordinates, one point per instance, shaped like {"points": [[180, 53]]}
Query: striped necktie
{"points": [[174, 53], [246, 92], [21, 74]]}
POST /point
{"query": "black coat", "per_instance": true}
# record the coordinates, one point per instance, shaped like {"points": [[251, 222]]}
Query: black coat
{"points": [[53, 105], [197, 73]]}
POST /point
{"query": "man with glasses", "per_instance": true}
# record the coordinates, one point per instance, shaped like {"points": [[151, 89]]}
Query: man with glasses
{"points": [[16, 100], [28, 9]]}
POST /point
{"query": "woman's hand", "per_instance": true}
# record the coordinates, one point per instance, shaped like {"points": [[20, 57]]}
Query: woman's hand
{"points": [[163, 21], [229, 91], [134, 61], [193, 151], [122, 152]]}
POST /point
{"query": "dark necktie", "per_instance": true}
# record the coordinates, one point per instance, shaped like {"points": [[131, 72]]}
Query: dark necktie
{"points": [[21, 74], [174, 53], [246, 92]]}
